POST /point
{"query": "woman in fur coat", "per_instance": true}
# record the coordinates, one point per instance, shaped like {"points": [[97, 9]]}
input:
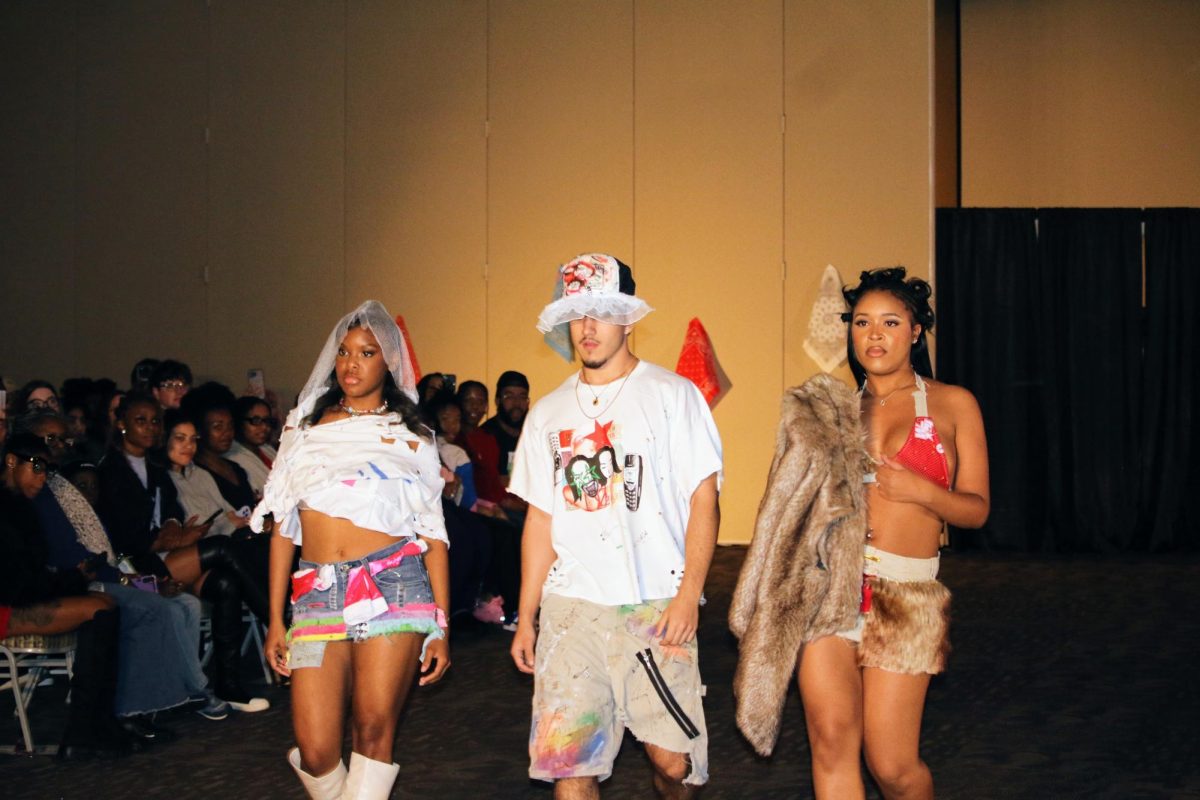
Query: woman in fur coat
{"points": [[865, 655]]}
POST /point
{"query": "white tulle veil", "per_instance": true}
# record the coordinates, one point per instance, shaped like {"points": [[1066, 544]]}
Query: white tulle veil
{"points": [[372, 316]]}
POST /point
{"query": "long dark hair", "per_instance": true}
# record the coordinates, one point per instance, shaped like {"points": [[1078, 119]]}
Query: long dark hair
{"points": [[395, 400], [914, 293]]}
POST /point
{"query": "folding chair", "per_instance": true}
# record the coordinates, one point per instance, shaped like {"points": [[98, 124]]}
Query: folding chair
{"points": [[27, 661]]}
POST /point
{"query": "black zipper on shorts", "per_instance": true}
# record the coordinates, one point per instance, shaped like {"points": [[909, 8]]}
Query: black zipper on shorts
{"points": [[664, 693]]}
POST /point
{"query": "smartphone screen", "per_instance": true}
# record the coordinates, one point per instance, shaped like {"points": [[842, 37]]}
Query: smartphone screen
{"points": [[257, 383]]}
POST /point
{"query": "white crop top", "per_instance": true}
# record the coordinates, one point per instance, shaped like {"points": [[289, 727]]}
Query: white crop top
{"points": [[371, 470]]}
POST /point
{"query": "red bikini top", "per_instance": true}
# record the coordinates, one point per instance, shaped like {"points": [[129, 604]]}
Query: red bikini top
{"points": [[922, 451]]}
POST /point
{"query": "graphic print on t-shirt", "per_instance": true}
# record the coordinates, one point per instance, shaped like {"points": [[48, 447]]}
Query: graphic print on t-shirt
{"points": [[588, 468]]}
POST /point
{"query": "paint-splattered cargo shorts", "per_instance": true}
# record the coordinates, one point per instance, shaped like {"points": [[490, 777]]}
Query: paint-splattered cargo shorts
{"points": [[599, 670]]}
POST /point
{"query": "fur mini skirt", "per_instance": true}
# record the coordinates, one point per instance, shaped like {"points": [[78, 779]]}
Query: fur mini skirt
{"points": [[904, 623]]}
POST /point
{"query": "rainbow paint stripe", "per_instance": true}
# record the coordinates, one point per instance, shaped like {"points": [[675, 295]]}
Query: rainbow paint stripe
{"points": [[323, 626], [560, 748]]}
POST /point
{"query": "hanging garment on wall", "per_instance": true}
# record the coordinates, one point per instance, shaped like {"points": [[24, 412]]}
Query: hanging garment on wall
{"points": [[826, 342], [697, 363]]}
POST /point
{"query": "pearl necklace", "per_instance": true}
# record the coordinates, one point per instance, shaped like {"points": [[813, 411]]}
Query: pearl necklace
{"points": [[354, 412]]}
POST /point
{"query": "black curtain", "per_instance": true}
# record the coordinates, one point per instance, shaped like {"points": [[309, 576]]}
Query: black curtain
{"points": [[1091, 279], [1087, 378], [1170, 429], [989, 339]]}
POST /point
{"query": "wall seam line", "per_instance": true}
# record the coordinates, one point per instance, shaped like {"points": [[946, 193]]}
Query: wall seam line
{"points": [[783, 198], [487, 192]]}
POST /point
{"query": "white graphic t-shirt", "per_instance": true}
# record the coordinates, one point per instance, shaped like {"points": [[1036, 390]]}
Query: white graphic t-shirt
{"points": [[616, 478]]}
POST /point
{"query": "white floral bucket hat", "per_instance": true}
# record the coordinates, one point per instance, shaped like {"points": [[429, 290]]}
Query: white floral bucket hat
{"points": [[593, 285]]}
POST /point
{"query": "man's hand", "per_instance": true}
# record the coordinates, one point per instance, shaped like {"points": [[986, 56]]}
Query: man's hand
{"points": [[523, 643], [679, 622]]}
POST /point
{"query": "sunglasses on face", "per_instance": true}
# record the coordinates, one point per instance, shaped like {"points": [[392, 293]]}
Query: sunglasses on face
{"points": [[40, 465], [258, 420], [52, 439]]}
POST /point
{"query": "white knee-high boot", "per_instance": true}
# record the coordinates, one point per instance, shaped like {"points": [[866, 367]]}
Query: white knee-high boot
{"points": [[328, 786], [369, 780]]}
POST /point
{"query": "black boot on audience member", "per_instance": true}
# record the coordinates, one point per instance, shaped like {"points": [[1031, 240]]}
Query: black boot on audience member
{"points": [[221, 591], [91, 728], [235, 559], [143, 728]]}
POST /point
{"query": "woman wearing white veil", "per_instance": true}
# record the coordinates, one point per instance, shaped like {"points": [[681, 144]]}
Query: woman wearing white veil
{"points": [[357, 484]]}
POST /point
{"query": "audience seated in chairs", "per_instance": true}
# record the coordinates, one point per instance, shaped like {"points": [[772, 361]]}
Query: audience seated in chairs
{"points": [[211, 408], [159, 666], [485, 451], [37, 600], [140, 508], [502, 570]]}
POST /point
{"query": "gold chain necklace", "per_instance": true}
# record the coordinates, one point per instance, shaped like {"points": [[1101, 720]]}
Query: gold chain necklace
{"points": [[596, 397], [883, 400]]}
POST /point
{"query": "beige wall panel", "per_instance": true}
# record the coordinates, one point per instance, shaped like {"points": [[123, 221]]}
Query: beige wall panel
{"points": [[709, 211], [1081, 103], [858, 149], [277, 272], [141, 184], [945, 103], [416, 173], [37, 170], [560, 163]]}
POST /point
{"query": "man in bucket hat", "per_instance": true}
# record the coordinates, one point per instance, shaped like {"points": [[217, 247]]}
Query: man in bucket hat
{"points": [[621, 467]]}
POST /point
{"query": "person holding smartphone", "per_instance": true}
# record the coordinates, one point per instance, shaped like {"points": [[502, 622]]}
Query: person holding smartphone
{"points": [[197, 490], [140, 508]]}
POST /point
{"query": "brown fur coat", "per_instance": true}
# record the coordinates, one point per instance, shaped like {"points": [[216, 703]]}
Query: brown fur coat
{"points": [[813, 510]]}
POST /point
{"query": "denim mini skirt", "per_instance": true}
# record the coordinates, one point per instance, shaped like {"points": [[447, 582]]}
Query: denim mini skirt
{"points": [[383, 593]]}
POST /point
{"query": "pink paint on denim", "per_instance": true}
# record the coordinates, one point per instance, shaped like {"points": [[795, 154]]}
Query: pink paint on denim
{"points": [[363, 600]]}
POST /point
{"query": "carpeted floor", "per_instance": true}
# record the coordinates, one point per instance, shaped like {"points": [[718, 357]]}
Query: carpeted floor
{"points": [[1070, 678]]}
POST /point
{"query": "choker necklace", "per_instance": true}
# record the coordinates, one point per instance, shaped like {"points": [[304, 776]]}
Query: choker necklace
{"points": [[596, 397], [354, 412]]}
